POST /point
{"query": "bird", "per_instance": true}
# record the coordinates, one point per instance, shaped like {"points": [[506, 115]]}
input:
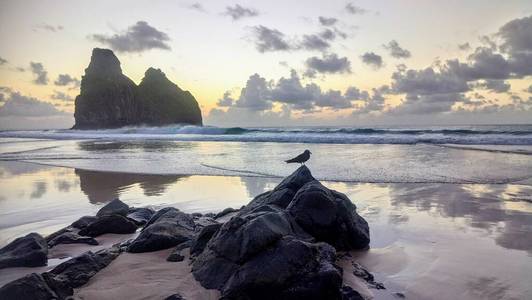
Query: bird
{"points": [[301, 158]]}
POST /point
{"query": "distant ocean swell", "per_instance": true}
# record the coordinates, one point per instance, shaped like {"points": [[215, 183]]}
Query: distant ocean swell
{"points": [[480, 135]]}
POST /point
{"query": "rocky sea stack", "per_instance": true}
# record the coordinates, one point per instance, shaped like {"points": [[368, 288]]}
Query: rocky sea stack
{"points": [[109, 99]]}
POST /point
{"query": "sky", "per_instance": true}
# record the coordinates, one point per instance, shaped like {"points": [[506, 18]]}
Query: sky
{"points": [[279, 63]]}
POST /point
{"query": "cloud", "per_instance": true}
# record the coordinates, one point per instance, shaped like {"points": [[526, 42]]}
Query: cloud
{"points": [[197, 7], [353, 93], [57, 95], [328, 63], [226, 100], [41, 75], [372, 59], [256, 95], [355, 10], [494, 85], [139, 37], [48, 27], [517, 35], [238, 12], [464, 47], [269, 40], [23, 106], [3, 61], [396, 51], [66, 79], [529, 89], [327, 21], [315, 42]]}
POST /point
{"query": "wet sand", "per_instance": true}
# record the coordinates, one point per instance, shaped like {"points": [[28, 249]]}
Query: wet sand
{"points": [[429, 241]]}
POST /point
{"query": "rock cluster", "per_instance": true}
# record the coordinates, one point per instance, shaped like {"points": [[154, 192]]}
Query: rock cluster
{"points": [[109, 99], [283, 244]]}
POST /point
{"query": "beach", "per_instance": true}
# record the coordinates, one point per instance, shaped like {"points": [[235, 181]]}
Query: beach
{"points": [[451, 220]]}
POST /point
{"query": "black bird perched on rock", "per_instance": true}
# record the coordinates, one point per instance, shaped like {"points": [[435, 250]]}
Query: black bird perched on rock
{"points": [[301, 158]]}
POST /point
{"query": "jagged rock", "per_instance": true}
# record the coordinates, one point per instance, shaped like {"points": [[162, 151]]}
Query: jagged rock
{"points": [[174, 297], [109, 224], [349, 294], [282, 244], [225, 212], [84, 222], [27, 251], [290, 269], [110, 99], [140, 216], [200, 241], [70, 237], [361, 272], [163, 102], [115, 207], [329, 216], [175, 256], [32, 286], [167, 228]]}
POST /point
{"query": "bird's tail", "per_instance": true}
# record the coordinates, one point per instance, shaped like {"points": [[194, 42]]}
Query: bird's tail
{"points": [[289, 161]]}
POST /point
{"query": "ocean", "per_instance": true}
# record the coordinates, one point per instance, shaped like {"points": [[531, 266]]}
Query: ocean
{"points": [[437, 154]]}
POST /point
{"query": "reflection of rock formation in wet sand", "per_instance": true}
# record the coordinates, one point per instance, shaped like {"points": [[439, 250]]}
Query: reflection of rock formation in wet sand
{"points": [[106, 186]]}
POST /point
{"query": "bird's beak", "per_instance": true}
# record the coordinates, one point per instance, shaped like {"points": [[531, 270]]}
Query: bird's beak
{"points": [[310, 152]]}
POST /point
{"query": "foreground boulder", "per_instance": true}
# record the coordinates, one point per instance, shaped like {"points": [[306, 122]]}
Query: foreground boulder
{"points": [[140, 216], [109, 224], [282, 245], [59, 283], [28, 251], [115, 207], [167, 228], [70, 237]]}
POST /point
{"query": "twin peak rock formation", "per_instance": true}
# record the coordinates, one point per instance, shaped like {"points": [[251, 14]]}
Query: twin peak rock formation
{"points": [[109, 99]]}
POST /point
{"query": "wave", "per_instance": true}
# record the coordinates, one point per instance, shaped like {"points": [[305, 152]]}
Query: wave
{"points": [[487, 135]]}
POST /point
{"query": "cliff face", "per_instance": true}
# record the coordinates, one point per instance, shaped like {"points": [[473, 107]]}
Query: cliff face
{"points": [[109, 99], [163, 102]]}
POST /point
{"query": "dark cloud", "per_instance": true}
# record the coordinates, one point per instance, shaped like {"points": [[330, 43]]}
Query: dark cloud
{"points": [[396, 50], [494, 85], [327, 21], [3, 61], [66, 79], [517, 35], [529, 89], [197, 6], [372, 59], [426, 82], [464, 47], [58, 95], [328, 63], [23, 106], [226, 100], [41, 75], [20, 69], [137, 38], [355, 10], [268, 40], [238, 12], [315, 42], [256, 95], [48, 27], [353, 93]]}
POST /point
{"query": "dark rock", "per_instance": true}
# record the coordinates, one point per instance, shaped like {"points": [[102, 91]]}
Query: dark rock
{"points": [[361, 272], [200, 241], [349, 294], [70, 237], [399, 295], [204, 221], [78, 270], [175, 256], [296, 180], [84, 222], [172, 215], [225, 212], [110, 99], [28, 251], [174, 297], [140, 216], [329, 216], [183, 245], [109, 224], [290, 269], [32, 286], [211, 215], [158, 236], [115, 207], [162, 102]]}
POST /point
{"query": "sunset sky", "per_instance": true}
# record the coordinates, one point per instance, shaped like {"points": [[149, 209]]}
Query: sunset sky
{"points": [[270, 63]]}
